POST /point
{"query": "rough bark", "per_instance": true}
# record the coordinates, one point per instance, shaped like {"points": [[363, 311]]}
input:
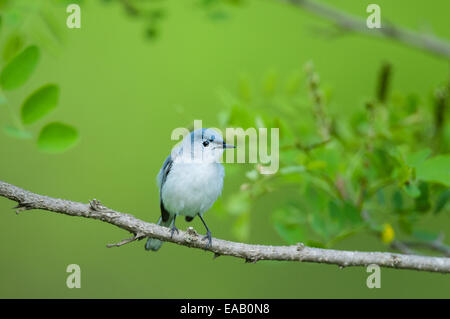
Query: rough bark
{"points": [[251, 253]]}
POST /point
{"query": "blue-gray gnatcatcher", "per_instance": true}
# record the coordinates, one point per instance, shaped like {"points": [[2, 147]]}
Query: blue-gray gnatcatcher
{"points": [[190, 180]]}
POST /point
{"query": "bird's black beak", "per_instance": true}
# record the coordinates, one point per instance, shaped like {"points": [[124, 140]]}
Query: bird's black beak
{"points": [[228, 145]]}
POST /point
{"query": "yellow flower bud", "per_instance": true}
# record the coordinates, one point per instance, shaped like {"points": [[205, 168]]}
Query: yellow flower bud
{"points": [[387, 234]]}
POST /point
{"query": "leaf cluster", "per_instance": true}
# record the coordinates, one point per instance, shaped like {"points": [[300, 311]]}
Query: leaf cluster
{"points": [[382, 169], [18, 64]]}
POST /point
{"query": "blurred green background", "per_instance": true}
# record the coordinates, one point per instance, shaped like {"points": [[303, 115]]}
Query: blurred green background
{"points": [[126, 93]]}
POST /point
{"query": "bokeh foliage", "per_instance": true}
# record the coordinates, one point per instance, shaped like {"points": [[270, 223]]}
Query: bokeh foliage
{"points": [[125, 94], [379, 170], [20, 58], [382, 169]]}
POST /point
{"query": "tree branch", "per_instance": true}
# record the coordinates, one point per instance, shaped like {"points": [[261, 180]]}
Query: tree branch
{"points": [[251, 253], [350, 22]]}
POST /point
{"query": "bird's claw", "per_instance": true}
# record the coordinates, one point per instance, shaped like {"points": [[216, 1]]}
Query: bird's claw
{"points": [[208, 236], [173, 230]]}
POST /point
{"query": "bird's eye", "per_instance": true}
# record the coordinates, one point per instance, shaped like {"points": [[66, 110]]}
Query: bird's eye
{"points": [[205, 143]]}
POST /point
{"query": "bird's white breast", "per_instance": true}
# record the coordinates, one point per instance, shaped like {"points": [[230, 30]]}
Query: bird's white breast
{"points": [[192, 188]]}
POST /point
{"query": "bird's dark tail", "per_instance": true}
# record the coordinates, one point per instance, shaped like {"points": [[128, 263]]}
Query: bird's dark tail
{"points": [[153, 243]]}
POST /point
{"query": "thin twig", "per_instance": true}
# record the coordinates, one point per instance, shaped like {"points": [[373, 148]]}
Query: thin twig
{"points": [[126, 241], [402, 247], [323, 122], [435, 245]]}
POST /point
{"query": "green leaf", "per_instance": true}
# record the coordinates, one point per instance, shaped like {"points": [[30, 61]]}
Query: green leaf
{"points": [[397, 201], [334, 211], [295, 169], [411, 189], [57, 137], [19, 69], [352, 214], [15, 132], [417, 158], [436, 169], [381, 163], [290, 233], [289, 215], [405, 225], [315, 199], [319, 226], [381, 198], [422, 202], [40, 103], [337, 219], [289, 224], [328, 157], [442, 200], [12, 46], [316, 165]]}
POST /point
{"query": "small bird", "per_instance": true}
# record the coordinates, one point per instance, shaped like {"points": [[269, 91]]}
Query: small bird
{"points": [[190, 180]]}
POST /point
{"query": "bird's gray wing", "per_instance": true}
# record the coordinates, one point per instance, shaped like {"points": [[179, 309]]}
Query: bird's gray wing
{"points": [[162, 176], [164, 172]]}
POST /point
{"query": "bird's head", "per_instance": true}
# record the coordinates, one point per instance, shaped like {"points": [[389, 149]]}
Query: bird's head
{"points": [[203, 145]]}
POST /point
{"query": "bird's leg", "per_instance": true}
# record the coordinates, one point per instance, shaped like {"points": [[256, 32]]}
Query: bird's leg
{"points": [[208, 233], [173, 228]]}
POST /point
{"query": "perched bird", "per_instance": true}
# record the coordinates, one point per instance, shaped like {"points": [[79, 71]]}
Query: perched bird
{"points": [[190, 180]]}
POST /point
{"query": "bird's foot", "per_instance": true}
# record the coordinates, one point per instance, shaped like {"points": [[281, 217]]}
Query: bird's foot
{"points": [[208, 236], [173, 229]]}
